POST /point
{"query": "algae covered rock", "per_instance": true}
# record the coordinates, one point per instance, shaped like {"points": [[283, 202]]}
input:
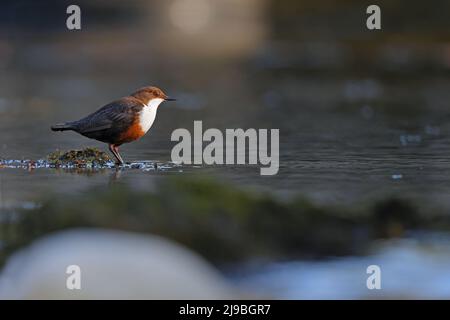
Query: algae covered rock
{"points": [[221, 222], [85, 157]]}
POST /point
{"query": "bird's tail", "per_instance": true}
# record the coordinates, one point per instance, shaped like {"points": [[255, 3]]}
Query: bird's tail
{"points": [[62, 126]]}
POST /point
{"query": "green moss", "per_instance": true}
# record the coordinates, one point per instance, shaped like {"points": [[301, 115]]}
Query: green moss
{"points": [[85, 157]]}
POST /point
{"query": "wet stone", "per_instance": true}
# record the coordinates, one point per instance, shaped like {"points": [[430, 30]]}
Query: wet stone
{"points": [[85, 159]]}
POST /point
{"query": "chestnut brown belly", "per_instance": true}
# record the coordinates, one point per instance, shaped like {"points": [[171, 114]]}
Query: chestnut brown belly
{"points": [[132, 133]]}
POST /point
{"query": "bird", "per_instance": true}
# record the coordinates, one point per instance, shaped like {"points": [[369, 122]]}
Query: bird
{"points": [[122, 121]]}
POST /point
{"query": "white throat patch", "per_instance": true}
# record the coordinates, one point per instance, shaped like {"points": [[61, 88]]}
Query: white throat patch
{"points": [[148, 114]]}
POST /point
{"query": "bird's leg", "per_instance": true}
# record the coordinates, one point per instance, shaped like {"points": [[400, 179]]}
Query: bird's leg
{"points": [[115, 151]]}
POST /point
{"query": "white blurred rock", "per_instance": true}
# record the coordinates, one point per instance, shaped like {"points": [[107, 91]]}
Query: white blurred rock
{"points": [[114, 265]]}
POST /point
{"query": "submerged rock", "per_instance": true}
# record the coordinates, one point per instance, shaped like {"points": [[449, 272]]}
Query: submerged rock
{"points": [[85, 157], [221, 222]]}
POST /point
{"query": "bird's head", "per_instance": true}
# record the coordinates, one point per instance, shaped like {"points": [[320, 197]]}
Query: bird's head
{"points": [[147, 94]]}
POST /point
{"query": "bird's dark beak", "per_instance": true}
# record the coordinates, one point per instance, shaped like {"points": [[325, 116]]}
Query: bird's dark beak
{"points": [[170, 99]]}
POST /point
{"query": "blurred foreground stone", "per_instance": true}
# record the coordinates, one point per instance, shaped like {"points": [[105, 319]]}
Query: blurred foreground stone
{"points": [[113, 265]]}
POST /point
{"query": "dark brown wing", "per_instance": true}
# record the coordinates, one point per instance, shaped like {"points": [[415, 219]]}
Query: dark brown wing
{"points": [[107, 123]]}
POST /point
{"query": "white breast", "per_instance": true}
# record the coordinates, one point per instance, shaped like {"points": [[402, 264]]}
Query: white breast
{"points": [[148, 114]]}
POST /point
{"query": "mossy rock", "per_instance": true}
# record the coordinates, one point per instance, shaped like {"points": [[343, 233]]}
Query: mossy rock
{"points": [[85, 157], [221, 222]]}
